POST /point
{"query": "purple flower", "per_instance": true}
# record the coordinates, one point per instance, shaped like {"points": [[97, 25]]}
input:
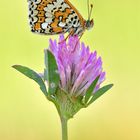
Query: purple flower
{"points": [[78, 67]]}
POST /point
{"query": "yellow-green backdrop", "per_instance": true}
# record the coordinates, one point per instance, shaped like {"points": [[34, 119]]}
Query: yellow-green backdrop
{"points": [[25, 114]]}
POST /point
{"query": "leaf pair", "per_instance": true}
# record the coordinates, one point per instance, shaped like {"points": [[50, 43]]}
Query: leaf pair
{"points": [[90, 97]]}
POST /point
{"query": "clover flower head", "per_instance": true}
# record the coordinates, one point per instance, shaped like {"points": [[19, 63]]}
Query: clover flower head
{"points": [[78, 67]]}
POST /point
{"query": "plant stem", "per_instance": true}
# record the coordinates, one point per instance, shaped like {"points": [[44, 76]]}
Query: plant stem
{"points": [[64, 128]]}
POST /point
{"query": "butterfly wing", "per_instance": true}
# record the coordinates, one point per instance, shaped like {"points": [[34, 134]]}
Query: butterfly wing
{"points": [[53, 16]]}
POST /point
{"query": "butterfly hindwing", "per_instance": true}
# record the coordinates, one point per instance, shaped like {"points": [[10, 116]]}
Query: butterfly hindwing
{"points": [[53, 16]]}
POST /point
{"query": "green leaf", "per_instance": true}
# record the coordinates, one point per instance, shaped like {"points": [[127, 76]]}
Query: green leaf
{"points": [[32, 75], [51, 74], [99, 93], [90, 89], [45, 75]]}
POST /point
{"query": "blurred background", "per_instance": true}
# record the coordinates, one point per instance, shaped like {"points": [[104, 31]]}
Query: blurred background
{"points": [[25, 114]]}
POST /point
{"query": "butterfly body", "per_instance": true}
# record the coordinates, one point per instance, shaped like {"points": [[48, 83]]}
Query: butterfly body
{"points": [[55, 17]]}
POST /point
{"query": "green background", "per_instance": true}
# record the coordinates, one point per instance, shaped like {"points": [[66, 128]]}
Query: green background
{"points": [[25, 114]]}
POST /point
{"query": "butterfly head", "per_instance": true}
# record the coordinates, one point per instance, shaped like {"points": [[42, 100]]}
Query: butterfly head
{"points": [[89, 24]]}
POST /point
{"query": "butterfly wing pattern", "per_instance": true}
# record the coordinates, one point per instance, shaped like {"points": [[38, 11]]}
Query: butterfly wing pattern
{"points": [[55, 17]]}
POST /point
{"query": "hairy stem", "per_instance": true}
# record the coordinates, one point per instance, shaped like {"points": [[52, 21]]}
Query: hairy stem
{"points": [[64, 128]]}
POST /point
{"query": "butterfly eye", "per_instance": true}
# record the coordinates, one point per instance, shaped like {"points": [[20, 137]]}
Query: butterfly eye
{"points": [[87, 23]]}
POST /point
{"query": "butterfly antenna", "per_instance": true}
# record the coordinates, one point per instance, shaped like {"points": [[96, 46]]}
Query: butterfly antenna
{"points": [[91, 7], [88, 7]]}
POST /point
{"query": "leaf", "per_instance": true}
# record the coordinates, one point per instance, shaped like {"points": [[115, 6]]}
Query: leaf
{"points": [[99, 93], [51, 74], [90, 89], [45, 75], [32, 75]]}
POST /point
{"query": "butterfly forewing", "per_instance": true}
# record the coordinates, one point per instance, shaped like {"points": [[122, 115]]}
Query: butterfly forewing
{"points": [[54, 17]]}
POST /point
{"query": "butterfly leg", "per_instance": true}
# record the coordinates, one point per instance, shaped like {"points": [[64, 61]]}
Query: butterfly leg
{"points": [[81, 36], [78, 41], [71, 33]]}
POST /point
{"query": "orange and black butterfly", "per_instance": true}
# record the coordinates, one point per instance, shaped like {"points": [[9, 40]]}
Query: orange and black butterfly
{"points": [[56, 17]]}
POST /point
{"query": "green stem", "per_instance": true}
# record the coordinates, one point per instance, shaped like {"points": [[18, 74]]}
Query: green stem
{"points": [[64, 128]]}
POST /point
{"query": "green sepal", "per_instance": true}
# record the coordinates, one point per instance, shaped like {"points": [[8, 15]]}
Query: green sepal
{"points": [[51, 72], [90, 90], [99, 93], [66, 105], [32, 75]]}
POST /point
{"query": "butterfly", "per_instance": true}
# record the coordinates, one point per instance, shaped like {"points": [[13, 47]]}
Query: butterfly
{"points": [[51, 17]]}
